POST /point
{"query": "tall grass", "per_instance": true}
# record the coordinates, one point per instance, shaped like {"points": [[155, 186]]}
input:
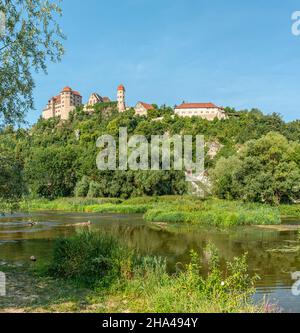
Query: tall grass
{"points": [[188, 291], [216, 213], [173, 209], [67, 204], [290, 210], [88, 258], [126, 281], [117, 209]]}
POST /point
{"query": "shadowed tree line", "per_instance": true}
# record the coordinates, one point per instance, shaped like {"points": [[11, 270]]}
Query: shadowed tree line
{"points": [[258, 160]]}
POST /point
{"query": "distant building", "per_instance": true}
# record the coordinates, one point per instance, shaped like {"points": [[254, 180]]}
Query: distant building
{"points": [[96, 98], [106, 100], [141, 109], [62, 104], [93, 100], [207, 111], [121, 98]]}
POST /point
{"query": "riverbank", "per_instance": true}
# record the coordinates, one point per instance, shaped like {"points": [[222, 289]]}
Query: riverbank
{"points": [[173, 209], [107, 277]]}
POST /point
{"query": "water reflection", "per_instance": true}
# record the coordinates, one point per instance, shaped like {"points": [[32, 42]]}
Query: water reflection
{"points": [[272, 254]]}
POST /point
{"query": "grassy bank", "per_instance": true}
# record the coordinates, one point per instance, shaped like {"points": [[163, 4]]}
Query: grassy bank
{"points": [[216, 213], [290, 210], [107, 277], [84, 205], [173, 209]]}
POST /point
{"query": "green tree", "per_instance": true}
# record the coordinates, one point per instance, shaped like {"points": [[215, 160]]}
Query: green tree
{"points": [[265, 170], [225, 184], [82, 187], [52, 172], [31, 38], [12, 185]]}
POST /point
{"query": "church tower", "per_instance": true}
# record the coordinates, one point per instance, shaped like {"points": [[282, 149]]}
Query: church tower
{"points": [[121, 98]]}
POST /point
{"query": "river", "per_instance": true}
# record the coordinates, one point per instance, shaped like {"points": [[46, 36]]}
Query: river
{"points": [[273, 254]]}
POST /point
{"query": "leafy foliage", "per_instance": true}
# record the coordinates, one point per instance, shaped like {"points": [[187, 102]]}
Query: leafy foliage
{"points": [[51, 173], [12, 184], [265, 170], [32, 38], [57, 155]]}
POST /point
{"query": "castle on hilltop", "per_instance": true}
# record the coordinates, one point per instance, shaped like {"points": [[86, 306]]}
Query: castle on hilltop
{"points": [[208, 111], [68, 100], [62, 104], [121, 98]]}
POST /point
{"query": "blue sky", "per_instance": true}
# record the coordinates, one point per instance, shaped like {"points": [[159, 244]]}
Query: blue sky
{"points": [[233, 53]]}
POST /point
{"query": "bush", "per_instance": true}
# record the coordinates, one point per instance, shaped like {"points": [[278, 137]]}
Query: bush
{"points": [[94, 190], [82, 187], [89, 258]]}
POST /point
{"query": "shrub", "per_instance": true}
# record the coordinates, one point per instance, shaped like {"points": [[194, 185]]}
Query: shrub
{"points": [[88, 258], [94, 190], [82, 187]]}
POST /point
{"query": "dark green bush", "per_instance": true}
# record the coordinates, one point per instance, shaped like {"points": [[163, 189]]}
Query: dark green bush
{"points": [[89, 258], [94, 190], [82, 187]]}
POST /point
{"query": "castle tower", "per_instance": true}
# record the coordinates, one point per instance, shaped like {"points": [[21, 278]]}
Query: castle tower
{"points": [[62, 104], [121, 98]]}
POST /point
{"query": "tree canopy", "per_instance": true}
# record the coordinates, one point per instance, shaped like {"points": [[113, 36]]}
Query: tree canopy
{"points": [[257, 160], [264, 170], [31, 38]]}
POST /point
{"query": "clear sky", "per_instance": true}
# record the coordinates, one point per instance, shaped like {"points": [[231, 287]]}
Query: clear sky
{"points": [[233, 53]]}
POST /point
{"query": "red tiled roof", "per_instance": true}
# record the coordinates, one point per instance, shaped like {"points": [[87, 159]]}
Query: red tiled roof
{"points": [[56, 99], [67, 89], [121, 87], [197, 106], [76, 93], [147, 106]]}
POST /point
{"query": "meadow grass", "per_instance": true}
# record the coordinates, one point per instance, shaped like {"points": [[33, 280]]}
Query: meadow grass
{"points": [[173, 209]]}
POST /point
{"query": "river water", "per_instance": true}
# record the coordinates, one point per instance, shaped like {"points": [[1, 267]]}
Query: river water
{"points": [[273, 254]]}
